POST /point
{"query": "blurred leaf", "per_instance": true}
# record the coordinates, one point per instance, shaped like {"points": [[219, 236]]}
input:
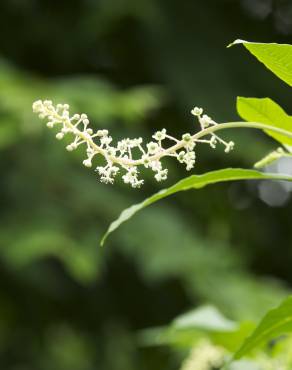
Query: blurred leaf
{"points": [[32, 245], [266, 111], [168, 336], [8, 133], [232, 340], [207, 318], [276, 57], [272, 157], [276, 322], [194, 182], [186, 329], [245, 365]]}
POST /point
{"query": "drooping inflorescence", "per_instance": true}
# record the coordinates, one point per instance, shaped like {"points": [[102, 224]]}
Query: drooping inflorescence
{"points": [[128, 154]]}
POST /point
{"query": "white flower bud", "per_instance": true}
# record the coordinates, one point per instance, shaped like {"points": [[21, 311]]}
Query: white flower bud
{"points": [[187, 137], [50, 124], [37, 106], [87, 162], [229, 147], [213, 142], [65, 130], [59, 135], [48, 103], [206, 120]]}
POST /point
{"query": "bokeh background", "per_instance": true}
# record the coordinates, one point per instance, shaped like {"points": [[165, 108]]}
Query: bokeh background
{"points": [[133, 66]]}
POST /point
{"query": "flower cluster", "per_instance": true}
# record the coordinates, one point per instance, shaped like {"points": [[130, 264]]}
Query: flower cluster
{"points": [[204, 356], [122, 155]]}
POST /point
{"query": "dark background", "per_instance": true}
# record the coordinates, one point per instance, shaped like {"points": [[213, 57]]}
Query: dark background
{"points": [[133, 66]]}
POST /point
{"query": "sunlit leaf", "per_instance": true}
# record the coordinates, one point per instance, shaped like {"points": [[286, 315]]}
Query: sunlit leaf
{"points": [[276, 57], [276, 322], [206, 317], [266, 111]]}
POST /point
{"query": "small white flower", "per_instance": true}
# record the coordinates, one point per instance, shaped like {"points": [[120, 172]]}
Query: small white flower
{"points": [[135, 142], [213, 142], [50, 124], [155, 165], [187, 137], [106, 140], [76, 117], [229, 147], [197, 111], [59, 135], [122, 146], [87, 162], [37, 106], [189, 141], [111, 151], [146, 160], [180, 156], [102, 133], [131, 177], [153, 147], [161, 175], [206, 121], [160, 135]]}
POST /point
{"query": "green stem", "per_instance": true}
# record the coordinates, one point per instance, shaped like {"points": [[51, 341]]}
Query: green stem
{"points": [[220, 126], [243, 124]]}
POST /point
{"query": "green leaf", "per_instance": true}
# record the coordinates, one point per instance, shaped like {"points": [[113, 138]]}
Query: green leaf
{"points": [[205, 317], [194, 182], [276, 322], [266, 111], [272, 157], [186, 329], [276, 57]]}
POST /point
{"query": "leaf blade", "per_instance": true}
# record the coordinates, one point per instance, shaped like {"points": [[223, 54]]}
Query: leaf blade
{"points": [[193, 182], [265, 110], [276, 57], [277, 321]]}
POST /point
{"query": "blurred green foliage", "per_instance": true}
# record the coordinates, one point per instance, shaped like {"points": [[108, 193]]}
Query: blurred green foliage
{"points": [[132, 66]]}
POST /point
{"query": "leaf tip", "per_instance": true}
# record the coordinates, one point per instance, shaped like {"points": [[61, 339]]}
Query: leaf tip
{"points": [[235, 42], [103, 239]]}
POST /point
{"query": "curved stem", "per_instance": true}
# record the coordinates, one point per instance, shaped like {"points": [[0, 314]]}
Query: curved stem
{"points": [[218, 127]]}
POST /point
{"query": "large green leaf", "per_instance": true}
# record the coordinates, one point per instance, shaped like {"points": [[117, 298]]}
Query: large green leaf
{"points": [[276, 322], [276, 57], [266, 111], [194, 182]]}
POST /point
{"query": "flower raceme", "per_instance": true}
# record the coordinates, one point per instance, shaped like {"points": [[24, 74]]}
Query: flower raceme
{"points": [[128, 154]]}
